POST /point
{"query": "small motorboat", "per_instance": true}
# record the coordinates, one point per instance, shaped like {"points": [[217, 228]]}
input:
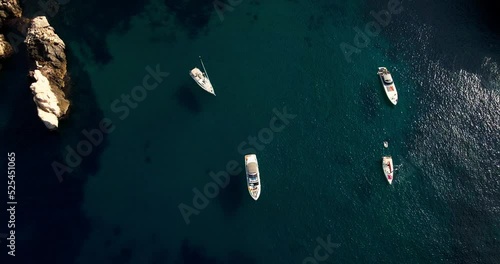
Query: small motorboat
{"points": [[388, 84], [388, 168], [253, 175], [202, 79]]}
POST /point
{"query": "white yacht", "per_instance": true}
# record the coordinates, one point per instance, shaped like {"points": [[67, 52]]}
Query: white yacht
{"points": [[388, 168], [388, 84], [202, 79], [253, 175]]}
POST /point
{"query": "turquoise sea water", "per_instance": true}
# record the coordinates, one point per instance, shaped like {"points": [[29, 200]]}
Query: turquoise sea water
{"points": [[321, 174]]}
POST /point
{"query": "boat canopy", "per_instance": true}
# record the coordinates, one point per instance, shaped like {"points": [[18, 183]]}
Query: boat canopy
{"points": [[252, 168], [388, 79], [195, 71]]}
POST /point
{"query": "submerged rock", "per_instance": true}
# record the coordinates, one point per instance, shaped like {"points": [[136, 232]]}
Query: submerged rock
{"points": [[46, 50]]}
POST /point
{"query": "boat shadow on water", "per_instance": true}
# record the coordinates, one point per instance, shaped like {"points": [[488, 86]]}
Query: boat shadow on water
{"points": [[231, 197], [187, 98]]}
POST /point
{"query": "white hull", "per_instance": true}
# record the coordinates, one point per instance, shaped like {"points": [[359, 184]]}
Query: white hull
{"points": [[388, 84], [253, 176], [388, 168], [202, 80]]}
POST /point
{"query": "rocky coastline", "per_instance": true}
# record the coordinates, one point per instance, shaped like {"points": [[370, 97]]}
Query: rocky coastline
{"points": [[46, 52]]}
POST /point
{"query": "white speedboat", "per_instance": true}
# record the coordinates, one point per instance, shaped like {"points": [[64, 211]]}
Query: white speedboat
{"points": [[388, 84], [253, 175], [388, 168], [202, 79]]}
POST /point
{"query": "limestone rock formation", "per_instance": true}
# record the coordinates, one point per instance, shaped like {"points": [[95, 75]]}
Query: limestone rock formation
{"points": [[46, 50], [46, 101], [9, 9], [6, 49]]}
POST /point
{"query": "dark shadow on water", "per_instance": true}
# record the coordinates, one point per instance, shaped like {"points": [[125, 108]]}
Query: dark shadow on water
{"points": [[308, 41], [468, 227], [163, 37], [231, 197], [147, 157], [488, 12], [124, 256], [193, 15], [315, 22], [190, 254], [186, 98], [84, 114], [159, 256], [240, 258], [117, 231], [51, 209]]}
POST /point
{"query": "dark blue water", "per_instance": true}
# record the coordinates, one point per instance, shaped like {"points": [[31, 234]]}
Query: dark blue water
{"points": [[321, 173]]}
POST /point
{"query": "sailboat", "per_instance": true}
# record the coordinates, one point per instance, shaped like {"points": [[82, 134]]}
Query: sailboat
{"points": [[202, 79], [388, 168]]}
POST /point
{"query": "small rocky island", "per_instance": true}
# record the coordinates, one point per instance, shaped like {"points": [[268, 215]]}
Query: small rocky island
{"points": [[47, 56]]}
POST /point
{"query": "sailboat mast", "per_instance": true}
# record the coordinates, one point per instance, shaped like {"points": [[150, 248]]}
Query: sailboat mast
{"points": [[204, 68]]}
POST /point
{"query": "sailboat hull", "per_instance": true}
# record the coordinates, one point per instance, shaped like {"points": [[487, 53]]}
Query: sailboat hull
{"points": [[388, 168], [202, 80]]}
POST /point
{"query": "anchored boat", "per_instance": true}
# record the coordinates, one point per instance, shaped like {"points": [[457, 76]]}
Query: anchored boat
{"points": [[388, 168], [202, 79], [253, 175], [388, 84]]}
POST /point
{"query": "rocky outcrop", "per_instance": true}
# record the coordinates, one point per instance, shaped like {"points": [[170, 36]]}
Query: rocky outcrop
{"points": [[6, 49], [46, 101], [46, 50], [9, 9]]}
